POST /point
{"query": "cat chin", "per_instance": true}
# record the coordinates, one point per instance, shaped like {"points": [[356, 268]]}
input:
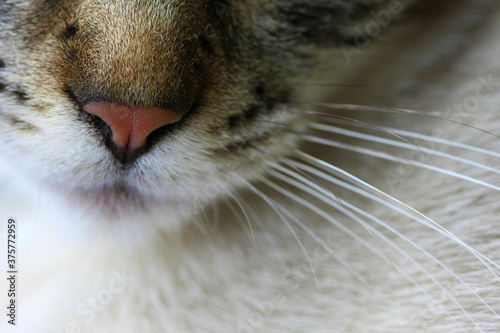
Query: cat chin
{"points": [[110, 200], [123, 204]]}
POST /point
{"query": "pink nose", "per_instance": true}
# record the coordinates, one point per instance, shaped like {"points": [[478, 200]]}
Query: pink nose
{"points": [[131, 125]]}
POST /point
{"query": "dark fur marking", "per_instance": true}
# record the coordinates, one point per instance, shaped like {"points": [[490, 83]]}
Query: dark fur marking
{"points": [[234, 121], [246, 144], [252, 112], [72, 55], [319, 20], [22, 96], [20, 124], [70, 32], [269, 102], [52, 3], [262, 104], [310, 18], [205, 44], [239, 145], [221, 8], [2, 85], [239, 119], [248, 115], [4, 10], [260, 91]]}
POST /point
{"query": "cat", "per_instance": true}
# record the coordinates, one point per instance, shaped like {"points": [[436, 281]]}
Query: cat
{"points": [[249, 166]]}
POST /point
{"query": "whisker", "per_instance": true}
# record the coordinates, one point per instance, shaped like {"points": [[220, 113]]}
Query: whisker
{"points": [[290, 128], [353, 107], [327, 217], [356, 121], [271, 204], [275, 165], [322, 243], [422, 137], [331, 168], [208, 229], [375, 198], [306, 185], [330, 219], [207, 219], [331, 85], [285, 184], [372, 138], [243, 210], [368, 108], [254, 216], [386, 156]]}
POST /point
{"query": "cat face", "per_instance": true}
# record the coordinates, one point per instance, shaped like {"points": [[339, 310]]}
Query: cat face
{"points": [[216, 67]]}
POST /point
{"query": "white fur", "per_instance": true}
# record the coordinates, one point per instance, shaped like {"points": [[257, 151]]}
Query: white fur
{"points": [[196, 277]]}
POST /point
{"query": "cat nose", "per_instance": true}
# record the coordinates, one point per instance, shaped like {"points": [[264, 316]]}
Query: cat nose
{"points": [[130, 125]]}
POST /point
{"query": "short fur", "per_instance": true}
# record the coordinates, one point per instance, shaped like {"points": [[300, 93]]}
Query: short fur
{"points": [[194, 236]]}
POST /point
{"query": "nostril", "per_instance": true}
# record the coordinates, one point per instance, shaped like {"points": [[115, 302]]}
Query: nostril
{"points": [[131, 125]]}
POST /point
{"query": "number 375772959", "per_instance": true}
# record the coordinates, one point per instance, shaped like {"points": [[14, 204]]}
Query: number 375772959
{"points": [[11, 244]]}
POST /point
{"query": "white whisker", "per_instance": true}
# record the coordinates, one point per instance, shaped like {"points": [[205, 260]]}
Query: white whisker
{"points": [[236, 214], [307, 185], [272, 204], [372, 138], [420, 136], [275, 165], [327, 217], [365, 108], [357, 180], [243, 210], [386, 156], [205, 216], [311, 179], [359, 122], [322, 243], [204, 229], [362, 241], [375, 198]]}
